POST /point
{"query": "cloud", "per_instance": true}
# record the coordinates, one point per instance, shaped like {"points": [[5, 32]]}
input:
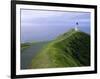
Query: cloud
{"points": [[38, 25]]}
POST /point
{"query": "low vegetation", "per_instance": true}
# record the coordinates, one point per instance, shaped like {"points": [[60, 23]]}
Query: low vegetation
{"points": [[25, 45], [72, 49]]}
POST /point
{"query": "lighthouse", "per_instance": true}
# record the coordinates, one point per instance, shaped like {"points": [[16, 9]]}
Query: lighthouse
{"points": [[76, 27]]}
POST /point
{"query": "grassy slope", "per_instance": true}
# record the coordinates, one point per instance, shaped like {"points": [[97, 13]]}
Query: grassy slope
{"points": [[68, 50], [27, 44], [24, 45]]}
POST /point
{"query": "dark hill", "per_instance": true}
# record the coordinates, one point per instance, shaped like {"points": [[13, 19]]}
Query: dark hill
{"points": [[71, 49]]}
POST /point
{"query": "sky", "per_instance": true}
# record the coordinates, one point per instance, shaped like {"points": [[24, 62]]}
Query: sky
{"points": [[42, 25]]}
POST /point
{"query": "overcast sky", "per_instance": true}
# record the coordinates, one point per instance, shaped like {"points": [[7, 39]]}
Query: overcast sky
{"points": [[39, 25]]}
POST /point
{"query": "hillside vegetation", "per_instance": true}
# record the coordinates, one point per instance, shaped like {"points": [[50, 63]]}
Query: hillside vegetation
{"points": [[71, 49]]}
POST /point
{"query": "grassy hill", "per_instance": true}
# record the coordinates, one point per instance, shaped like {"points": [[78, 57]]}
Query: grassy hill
{"points": [[25, 45], [71, 49]]}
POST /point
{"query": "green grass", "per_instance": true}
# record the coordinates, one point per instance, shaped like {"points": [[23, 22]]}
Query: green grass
{"points": [[72, 49], [24, 45]]}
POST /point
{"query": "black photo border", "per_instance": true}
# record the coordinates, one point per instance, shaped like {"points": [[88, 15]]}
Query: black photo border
{"points": [[13, 38]]}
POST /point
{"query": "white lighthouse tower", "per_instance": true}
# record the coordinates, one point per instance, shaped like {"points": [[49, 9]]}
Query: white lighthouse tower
{"points": [[76, 27]]}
